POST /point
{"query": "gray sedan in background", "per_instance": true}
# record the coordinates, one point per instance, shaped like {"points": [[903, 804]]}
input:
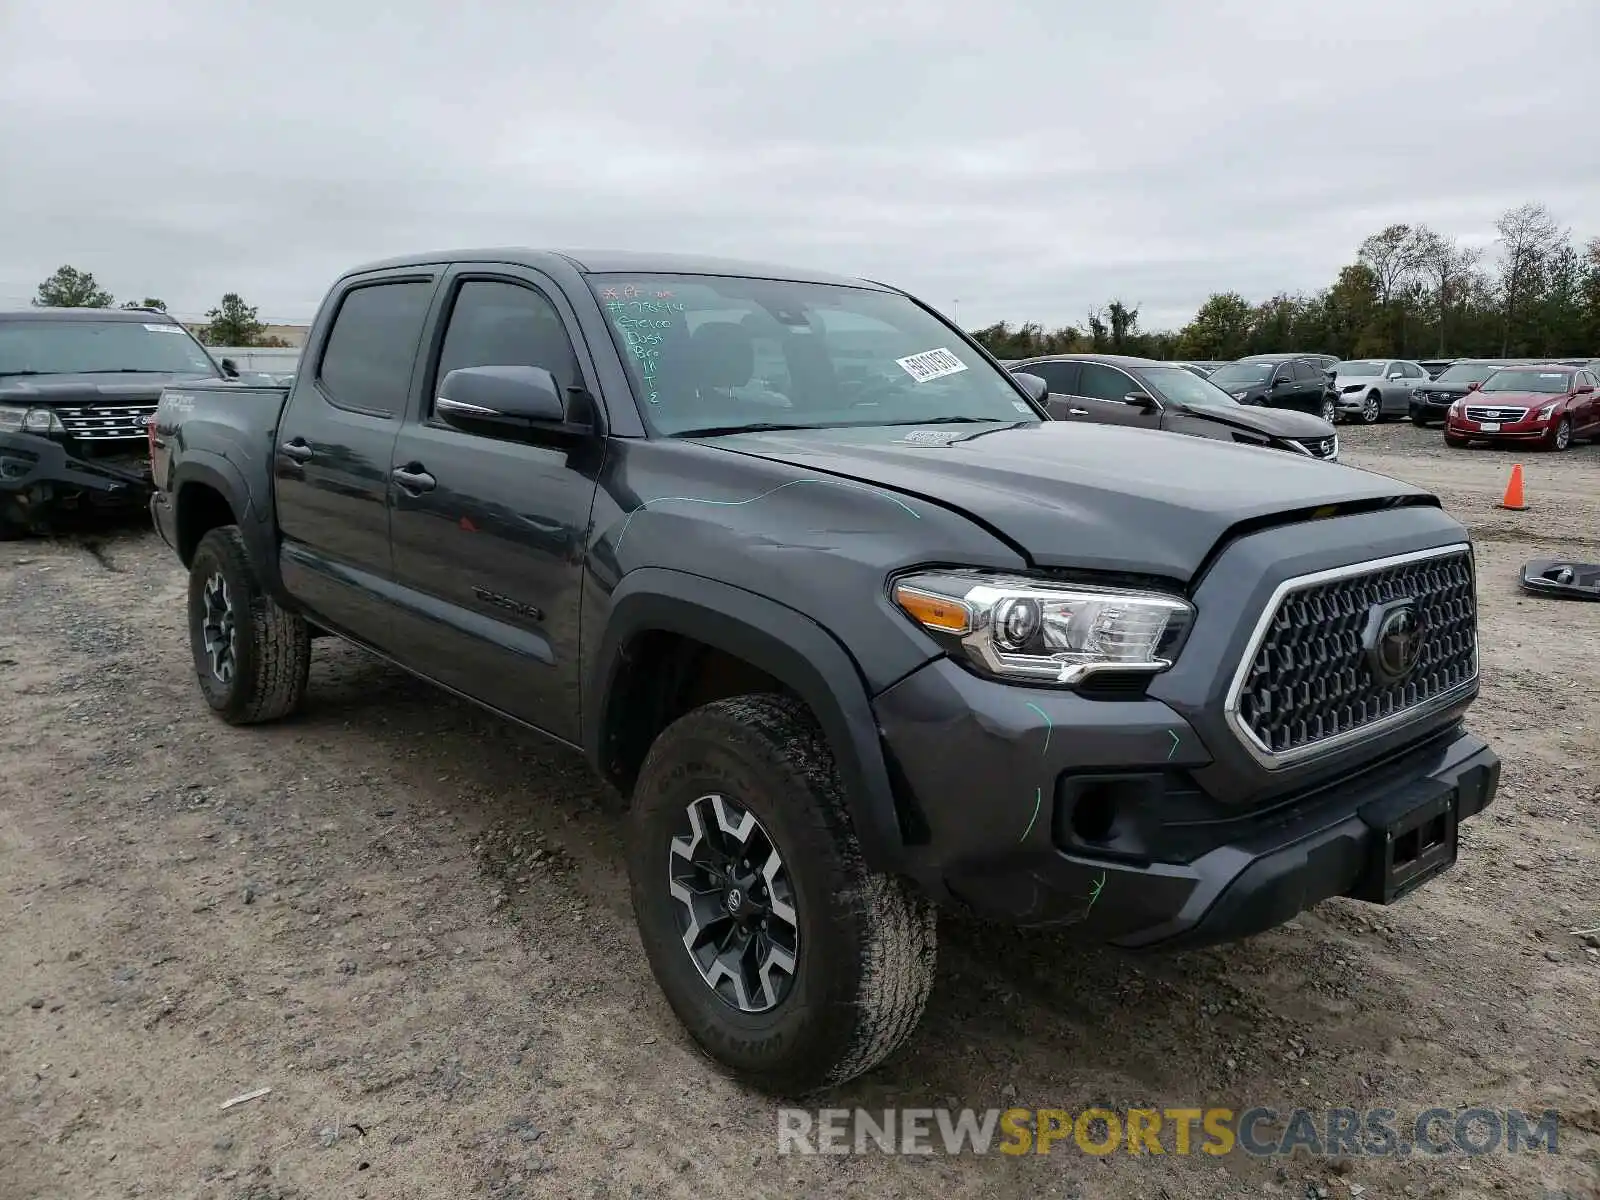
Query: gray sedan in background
{"points": [[1375, 388]]}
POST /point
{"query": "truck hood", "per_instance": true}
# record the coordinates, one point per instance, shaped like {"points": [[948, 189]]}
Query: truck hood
{"points": [[98, 388], [1276, 422], [1095, 497]]}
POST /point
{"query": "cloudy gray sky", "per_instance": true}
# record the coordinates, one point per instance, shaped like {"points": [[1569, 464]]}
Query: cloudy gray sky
{"points": [[1017, 159]]}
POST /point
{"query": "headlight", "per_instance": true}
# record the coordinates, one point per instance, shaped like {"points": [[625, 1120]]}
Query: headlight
{"points": [[1016, 628], [1240, 395], [1548, 410], [29, 420]]}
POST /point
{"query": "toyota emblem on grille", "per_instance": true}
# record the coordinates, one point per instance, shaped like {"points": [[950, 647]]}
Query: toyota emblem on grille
{"points": [[1393, 640]]}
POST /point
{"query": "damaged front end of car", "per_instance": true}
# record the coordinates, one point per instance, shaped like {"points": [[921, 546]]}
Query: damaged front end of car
{"points": [[58, 463]]}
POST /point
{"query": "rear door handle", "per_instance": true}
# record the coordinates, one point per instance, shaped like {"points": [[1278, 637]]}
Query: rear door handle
{"points": [[297, 450], [414, 479], [1077, 412]]}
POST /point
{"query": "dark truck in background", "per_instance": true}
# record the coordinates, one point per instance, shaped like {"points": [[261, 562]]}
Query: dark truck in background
{"points": [[76, 388], [859, 632]]}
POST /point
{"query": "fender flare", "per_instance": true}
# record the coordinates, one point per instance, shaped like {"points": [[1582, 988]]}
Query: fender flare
{"points": [[786, 644], [223, 477]]}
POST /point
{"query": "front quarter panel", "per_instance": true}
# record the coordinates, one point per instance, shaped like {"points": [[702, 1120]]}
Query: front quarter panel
{"points": [[820, 544]]}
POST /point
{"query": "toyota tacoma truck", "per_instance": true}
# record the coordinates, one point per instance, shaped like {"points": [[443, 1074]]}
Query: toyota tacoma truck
{"points": [[76, 388], [859, 631]]}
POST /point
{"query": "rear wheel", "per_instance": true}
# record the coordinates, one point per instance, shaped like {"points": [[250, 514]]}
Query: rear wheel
{"points": [[785, 958], [251, 655], [1372, 409]]}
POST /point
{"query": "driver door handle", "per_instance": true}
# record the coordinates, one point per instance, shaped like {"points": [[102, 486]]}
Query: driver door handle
{"points": [[1077, 412], [298, 450], [414, 479]]}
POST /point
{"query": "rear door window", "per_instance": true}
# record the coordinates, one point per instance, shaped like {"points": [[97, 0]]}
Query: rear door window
{"points": [[1061, 377], [366, 364]]}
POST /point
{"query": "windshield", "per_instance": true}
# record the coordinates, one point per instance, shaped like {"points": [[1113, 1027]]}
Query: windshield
{"points": [[723, 353], [1182, 386], [1361, 368], [1467, 373], [1554, 382], [45, 347], [1236, 373]]}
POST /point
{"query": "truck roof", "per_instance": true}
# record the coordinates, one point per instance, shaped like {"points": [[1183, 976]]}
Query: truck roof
{"points": [[643, 262]]}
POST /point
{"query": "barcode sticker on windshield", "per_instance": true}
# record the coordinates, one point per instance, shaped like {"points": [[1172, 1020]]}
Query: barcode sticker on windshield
{"points": [[931, 364], [165, 328]]}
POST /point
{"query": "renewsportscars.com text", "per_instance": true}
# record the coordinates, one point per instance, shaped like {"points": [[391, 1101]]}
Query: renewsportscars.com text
{"points": [[1259, 1132]]}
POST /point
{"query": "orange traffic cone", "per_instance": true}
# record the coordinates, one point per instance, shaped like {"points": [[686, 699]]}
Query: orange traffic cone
{"points": [[1513, 496]]}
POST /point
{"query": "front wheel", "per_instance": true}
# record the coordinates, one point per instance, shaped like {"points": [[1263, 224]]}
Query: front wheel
{"points": [[1561, 439], [251, 655], [1420, 422], [1330, 411], [1456, 443], [785, 958], [1372, 409]]}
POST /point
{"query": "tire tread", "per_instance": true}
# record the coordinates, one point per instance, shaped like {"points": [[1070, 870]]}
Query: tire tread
{"points": [[897, 927], [279, 655]]}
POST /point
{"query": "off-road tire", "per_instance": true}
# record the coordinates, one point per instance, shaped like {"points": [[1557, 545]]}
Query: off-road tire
{"points": [[865, 961], [272, 646]]}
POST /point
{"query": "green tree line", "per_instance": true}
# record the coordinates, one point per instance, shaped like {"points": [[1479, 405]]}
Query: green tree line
{"points": [[1411, 292], [231, 323]]}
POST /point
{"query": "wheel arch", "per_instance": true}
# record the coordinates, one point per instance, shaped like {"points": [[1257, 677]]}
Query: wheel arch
{"points": [[209, 491], [667, 628]]}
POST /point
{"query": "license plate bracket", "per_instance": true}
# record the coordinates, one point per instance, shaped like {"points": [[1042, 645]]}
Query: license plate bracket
{"points": [[1415, 837], [1489, 426]]}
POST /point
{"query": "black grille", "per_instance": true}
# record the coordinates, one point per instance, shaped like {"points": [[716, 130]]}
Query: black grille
{"points": [[1310, 680], [1321, 447], [104, 422], [1486, 412]]}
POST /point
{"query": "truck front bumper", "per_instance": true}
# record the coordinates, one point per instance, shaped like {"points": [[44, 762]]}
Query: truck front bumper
{"points": [[1043, 809], [39, 477]]}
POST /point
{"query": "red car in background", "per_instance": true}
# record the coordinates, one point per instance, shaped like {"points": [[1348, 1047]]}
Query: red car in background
{"points": [[1545, 405]]}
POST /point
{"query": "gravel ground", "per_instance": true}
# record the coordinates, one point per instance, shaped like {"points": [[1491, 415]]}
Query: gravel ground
{"points": [[411, 923]]}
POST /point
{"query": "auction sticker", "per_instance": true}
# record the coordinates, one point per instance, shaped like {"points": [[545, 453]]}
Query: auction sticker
{"points": [[931, 364], [165, 328]]}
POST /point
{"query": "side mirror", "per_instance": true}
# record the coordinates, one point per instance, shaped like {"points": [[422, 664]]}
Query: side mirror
{"points": [[230, 368], [517, 396], [1140, 400], [1583, 389], [1036, 388], [1396, 375], [1474, 386], [1280, 381]]}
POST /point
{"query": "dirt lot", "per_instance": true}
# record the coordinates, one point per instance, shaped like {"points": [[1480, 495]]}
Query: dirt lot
{"points": [[410, 922]]}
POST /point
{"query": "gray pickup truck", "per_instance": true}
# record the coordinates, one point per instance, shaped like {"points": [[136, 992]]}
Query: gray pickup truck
{"points": [[856, 628]]}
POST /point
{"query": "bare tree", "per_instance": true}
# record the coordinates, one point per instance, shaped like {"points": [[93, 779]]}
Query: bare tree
{"points": [[1392, 255], [1529, 235], [1448, 269]]}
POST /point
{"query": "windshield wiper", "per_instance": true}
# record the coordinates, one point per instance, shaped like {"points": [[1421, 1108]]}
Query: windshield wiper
{"points": [[756, 427], [18, 374], [947, 421]]}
